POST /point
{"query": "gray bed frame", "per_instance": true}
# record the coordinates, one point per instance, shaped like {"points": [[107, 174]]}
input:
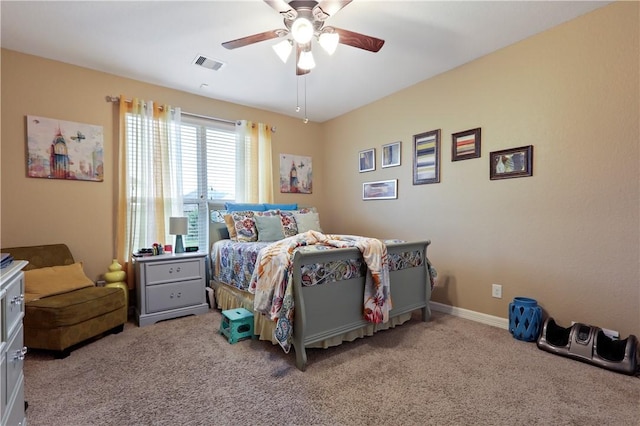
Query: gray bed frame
{"points": [[332, 309]]}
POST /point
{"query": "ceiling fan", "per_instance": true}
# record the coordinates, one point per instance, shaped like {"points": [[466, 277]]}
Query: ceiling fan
{"points": [[304, 20]]}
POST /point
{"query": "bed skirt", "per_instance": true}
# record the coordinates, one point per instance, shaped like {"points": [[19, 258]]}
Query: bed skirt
{"points": [[228, 297]]}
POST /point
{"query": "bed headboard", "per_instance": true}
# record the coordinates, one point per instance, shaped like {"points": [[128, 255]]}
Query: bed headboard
{"points": [[217, 228]]}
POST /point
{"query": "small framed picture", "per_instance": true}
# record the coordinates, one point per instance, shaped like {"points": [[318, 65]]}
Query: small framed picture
{"points": [[465, 145], [511, 163], [367, 160], [426, 157], [380, 190], [391, 154]]}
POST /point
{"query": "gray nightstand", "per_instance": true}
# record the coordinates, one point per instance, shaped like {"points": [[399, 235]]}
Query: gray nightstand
{"points": [[170, 286]]}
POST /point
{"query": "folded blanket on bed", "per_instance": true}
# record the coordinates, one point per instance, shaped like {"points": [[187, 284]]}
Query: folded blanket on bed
{"points": [[272, 278]]}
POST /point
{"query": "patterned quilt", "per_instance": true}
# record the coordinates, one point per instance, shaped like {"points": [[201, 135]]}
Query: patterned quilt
{"points": [[271, 281], [233, 262]]}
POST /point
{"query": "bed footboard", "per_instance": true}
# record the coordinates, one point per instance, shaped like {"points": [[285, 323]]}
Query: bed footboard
{"points": [[332, 309]]}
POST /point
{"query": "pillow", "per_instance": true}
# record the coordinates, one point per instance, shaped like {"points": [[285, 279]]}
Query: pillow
{"points": [[281, 206], [307, 222], [228, 220], [239, 207], [269, 228], [245, 224], [289, 222], [43, 282]]}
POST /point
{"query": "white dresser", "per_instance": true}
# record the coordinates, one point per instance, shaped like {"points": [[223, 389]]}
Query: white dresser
{"points": [[11, 349], [170, 286]]}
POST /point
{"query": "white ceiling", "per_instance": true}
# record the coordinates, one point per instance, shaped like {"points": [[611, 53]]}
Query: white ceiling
{"points": [[157, 42]]}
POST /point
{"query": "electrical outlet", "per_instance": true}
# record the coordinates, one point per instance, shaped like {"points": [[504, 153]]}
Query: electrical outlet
{"points": [[496, 291]]}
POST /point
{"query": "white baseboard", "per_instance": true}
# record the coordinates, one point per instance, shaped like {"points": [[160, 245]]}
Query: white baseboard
{"points": [[471, 315]]}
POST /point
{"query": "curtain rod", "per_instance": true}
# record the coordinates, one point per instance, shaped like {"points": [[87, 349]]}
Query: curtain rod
{"points": [[115, 99]]}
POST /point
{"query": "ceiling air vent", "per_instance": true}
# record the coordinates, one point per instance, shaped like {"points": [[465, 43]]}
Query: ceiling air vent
{"points": [[212, 64]]}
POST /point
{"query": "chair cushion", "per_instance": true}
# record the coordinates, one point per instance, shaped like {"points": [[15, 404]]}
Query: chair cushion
{"points": [[74, 307], [52, 280]]}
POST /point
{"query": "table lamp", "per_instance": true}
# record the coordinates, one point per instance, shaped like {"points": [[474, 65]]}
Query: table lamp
{"points": [[178, 227]]}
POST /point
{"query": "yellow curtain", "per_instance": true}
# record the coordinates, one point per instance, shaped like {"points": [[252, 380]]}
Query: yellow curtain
{"points": [[254, 174], [150, 182]]}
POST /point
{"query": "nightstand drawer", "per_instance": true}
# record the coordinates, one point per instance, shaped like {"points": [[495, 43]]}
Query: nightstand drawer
{"points": [[163, 297], [182, 270]]}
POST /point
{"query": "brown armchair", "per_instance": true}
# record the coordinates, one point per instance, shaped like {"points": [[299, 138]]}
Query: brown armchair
{"points": [[66, 317]]}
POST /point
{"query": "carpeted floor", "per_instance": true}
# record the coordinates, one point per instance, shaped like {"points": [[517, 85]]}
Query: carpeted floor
{"points": [[448, 371]]}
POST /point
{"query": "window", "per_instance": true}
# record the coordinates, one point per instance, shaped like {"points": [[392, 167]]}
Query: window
{"points": [[208, 172]]}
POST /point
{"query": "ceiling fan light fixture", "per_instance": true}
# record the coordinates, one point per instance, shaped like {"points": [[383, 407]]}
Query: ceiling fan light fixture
{"points": [[306, 61], [283, 49], [302, 30], [329, 41]]}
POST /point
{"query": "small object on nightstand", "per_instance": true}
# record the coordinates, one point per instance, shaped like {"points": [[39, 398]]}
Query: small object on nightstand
{"points": [[191, 249], [178, 226]]}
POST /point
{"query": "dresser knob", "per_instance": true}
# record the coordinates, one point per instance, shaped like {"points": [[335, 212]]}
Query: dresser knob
{"points": [[19, 356], [171, 270], [17, 300], [178, 269]]}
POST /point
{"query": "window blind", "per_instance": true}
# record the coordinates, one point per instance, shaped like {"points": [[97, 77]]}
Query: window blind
{"points": [[208, 165]]}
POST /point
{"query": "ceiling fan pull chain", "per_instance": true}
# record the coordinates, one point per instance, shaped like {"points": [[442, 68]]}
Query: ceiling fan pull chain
{"points": [[297, 95], [306, 120]]}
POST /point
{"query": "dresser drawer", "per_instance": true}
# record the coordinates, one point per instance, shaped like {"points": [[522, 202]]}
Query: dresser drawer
{"points": [[15, 408], [13, 306], [164, 297], [180, 270], [13, 362], [3, 391]]}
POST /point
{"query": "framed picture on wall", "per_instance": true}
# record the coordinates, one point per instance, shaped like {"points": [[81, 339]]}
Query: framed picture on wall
{"points": [[511, 163], [465, 145], [391, 154], [296, 174], [59, 149], [380, 190], [367, 160], [426, 157]]}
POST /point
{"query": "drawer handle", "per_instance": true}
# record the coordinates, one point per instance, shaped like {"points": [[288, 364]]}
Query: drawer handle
{"points": [[171, 270], [19, 356], [17, 300], [177, 296]]}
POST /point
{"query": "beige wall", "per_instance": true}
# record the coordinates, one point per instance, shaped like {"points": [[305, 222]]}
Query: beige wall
{"points": [[81, 213], [569, 235]]}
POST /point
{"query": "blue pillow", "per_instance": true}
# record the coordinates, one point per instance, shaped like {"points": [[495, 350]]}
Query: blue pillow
{"points": [[241, 207], [281, 206]]}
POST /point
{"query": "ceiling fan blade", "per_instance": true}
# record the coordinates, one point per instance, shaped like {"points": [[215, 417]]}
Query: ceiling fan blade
{"points": [[358, 40], [329, 7], [255, 38], [283, 8], [299, 71]]}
